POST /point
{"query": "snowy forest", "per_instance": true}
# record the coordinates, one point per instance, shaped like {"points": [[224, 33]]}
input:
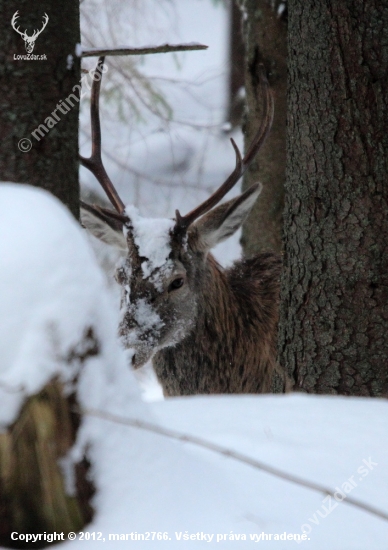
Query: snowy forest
{"points": [[194, 274]]}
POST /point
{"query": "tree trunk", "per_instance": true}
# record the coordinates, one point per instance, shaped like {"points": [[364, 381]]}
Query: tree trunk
{"points": [[30, 91], [236, 60], [334, 313], [265, 31], [33, 497]]}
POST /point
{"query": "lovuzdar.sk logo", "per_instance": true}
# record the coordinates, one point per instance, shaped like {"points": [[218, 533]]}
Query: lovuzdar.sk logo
{"points": [[29, 41]]}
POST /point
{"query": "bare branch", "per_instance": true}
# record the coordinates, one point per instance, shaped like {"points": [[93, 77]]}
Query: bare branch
{"points": [[172, 434], [163, 48]]}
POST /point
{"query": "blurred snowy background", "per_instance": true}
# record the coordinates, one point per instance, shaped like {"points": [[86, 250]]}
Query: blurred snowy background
{"points": [[164, 116]]}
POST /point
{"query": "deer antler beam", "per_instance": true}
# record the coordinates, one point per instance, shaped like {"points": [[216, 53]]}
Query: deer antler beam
{"points": [[164, 48], [94, 162]]}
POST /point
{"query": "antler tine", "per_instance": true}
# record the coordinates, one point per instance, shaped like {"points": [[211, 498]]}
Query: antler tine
{"points": [[183, 222], [13, 23], [94, 162], [45, 21]]}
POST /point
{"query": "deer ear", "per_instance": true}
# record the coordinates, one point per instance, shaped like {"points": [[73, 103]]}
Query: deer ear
{"points": [[107, 231], [221, 222]]}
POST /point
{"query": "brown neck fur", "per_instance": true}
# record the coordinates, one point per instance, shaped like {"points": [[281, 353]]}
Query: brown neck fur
{"points": [[232, 346]]}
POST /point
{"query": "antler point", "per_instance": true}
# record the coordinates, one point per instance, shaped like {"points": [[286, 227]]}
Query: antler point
{"points": [[237, 151]]}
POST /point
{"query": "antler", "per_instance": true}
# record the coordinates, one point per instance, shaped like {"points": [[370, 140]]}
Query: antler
{"points": [[24, 34], [94, 162], [183, 222], [45, 21], [13, 23]]}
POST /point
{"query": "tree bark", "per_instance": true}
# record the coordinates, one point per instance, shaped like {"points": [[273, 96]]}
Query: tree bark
{"points": [[265, 32], [30, 91], [333, 335], [236, 59], [33, 496]]}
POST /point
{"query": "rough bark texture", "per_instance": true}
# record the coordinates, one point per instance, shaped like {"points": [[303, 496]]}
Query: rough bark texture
{"points": [[33, 498], [334, 313], [265, 34], [30, 91], [236, 71]]}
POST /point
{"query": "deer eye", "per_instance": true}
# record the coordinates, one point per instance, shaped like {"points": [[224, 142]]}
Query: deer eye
{"points": [[176, 283]]}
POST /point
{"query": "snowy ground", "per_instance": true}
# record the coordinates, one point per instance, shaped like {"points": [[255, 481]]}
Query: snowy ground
{"points": [[145, 482]]}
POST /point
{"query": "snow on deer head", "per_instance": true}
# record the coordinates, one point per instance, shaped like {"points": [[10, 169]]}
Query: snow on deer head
{"points": [[163, 269]]}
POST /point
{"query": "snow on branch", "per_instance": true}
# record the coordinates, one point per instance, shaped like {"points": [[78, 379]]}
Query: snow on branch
{"points": [[172, 434], [125, 50]]}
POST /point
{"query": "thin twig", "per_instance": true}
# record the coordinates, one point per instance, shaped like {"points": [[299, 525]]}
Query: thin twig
{"points": [[163, 48], [172, 434]]}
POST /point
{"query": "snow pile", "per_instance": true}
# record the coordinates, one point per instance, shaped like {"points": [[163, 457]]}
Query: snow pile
{"points": [[52, 294], [338, 442], [150, 486]]}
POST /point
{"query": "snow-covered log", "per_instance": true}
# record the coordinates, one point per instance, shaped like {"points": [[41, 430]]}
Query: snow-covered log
{"points": [[55, 321]]}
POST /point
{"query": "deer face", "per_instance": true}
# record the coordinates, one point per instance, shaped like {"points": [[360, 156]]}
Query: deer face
{"points": [[158, 293], [29, 44], [156, 314], [162, 273]]}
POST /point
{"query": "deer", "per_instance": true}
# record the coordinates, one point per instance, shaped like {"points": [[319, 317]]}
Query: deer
{"points": [[29, 41], [207, 330]]}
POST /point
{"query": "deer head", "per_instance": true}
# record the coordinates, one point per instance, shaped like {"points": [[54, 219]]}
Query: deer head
{"points": [[165, 261], [29, 41]]}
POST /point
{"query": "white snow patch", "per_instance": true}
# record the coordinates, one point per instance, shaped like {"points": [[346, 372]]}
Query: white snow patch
{"points": [[152, 236], [148, 321], [241, 93], [146, 316], [69, 62], [281, 9], [226, 127], [78, 50]]}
